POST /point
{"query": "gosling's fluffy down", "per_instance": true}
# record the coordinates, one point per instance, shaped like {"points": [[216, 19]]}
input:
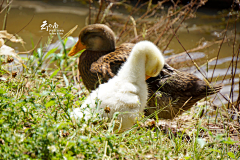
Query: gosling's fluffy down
{"points": [[127, 92]]}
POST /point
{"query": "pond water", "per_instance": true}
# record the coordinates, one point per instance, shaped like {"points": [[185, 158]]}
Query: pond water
{"points": [[69, 14]]}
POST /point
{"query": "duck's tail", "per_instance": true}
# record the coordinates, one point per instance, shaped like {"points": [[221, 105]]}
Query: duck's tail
{"points": [[214, 89]]}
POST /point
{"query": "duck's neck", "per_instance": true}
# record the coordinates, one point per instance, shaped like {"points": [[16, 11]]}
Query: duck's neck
{"points": [[86, 59], [133, 70]]}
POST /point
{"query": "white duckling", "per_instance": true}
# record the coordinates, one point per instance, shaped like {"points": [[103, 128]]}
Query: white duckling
{"points": [[127, 92]]}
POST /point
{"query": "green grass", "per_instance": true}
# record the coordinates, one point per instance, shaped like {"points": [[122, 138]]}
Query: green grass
{"points": [[36, 106], [35, 123]]}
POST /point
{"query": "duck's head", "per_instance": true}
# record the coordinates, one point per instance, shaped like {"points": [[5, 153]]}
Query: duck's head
{"points": [[95, 37], [154, 58]]}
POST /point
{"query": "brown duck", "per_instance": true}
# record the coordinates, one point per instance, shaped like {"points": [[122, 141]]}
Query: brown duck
{"points": [[171, 92]]}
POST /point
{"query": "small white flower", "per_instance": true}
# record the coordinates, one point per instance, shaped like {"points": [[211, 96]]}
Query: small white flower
{"points": [[52, 148]]}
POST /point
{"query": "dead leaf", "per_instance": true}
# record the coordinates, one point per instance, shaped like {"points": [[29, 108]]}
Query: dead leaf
{"points": [[12, 38], [8, 51]]}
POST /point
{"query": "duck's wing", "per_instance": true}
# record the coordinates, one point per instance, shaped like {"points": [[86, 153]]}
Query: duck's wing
{"points": [[172, 81], [172, 92], [108, 65]]}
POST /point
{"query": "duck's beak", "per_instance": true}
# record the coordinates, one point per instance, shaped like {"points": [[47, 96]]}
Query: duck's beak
{"points": [[147, 77], [76, 48]]}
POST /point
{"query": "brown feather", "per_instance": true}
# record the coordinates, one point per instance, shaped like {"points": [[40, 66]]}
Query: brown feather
{"points": [[110, 63], [175, 92], [90, 79]]}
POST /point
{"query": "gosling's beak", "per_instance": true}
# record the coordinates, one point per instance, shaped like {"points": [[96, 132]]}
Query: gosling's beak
{"points": [[147, 77], [76, 48]]}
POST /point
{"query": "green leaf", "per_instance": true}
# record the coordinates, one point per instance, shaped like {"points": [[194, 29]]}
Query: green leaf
{"points": [[231, 155], [187, 157], [49, 53], [65, 41], [214, 150], [110, 144], [45, 93], [35, 94], [54, 73], [115, 115], [83, 137], [2, 91], [1, 121], [220, 136], [229, 141], [71, 143], [50, 103], [112, 126], [62, 125]]}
